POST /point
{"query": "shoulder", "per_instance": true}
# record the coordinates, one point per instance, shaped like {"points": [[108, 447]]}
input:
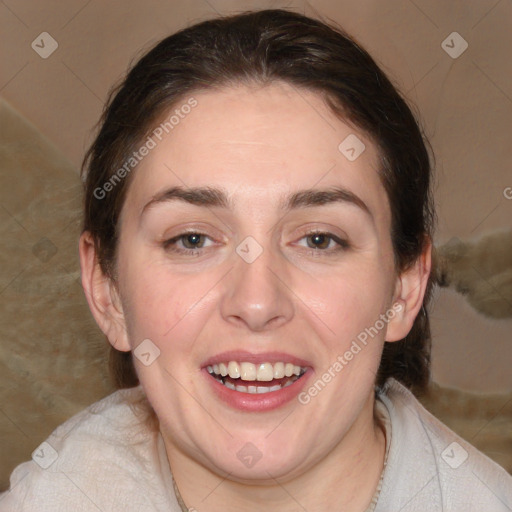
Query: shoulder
{"points": [[104, 457], [428, 463]]}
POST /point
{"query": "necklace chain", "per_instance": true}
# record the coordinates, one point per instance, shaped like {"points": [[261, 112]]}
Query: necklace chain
{"points": [[371, 508]]}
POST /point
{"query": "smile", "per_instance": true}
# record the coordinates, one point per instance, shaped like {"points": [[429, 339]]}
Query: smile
{"points": [[246, 377]]}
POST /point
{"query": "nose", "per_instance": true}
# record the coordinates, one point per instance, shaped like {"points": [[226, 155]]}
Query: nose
{"points": [[258, 294]]}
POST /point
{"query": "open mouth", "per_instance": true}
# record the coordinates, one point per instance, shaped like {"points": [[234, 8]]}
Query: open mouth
{"points": [[251, 378]]}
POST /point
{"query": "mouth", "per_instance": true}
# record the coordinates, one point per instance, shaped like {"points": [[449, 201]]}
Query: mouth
{"points": [[256, 383], [247, 377]]}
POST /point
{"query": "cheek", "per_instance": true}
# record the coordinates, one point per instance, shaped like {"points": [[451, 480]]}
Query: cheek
{"points": [[349, 299], [165, 307]]}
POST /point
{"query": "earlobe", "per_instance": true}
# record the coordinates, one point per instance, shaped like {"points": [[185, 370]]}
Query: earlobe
{"points": [[409, 293], [102, 295]]}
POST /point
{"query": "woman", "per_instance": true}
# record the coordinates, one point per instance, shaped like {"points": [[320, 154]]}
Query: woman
{"points": [[257, 250]]}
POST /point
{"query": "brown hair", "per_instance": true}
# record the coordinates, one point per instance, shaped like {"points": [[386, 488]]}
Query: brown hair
{"points": [[262, 47]]}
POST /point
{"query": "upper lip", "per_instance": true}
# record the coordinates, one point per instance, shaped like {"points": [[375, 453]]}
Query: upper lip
{"points": [[241, 356]]}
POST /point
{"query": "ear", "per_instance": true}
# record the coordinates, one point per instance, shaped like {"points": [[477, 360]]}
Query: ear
{"points": [[102, 295], [408, 297]]}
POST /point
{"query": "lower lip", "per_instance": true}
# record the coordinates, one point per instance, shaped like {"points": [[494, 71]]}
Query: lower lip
{"points": [[260, 401]]}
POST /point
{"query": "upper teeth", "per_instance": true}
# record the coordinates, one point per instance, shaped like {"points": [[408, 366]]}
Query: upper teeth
{"points": [[248, 371]]}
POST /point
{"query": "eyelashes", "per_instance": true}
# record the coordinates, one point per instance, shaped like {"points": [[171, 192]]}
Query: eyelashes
{"points": [[322, 242]]}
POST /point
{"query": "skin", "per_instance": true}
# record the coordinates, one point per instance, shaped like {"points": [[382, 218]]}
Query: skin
{"points": [[259, 144]]}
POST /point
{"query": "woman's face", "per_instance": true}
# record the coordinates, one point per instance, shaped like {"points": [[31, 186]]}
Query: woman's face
{"points": [[251, 289]]}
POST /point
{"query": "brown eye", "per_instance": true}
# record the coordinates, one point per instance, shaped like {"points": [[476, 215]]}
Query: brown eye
{"points": [[319, 241], [189, 244], [193, 239]]}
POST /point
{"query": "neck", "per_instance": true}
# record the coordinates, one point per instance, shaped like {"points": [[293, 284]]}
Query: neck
{"points": [[345, 479]]}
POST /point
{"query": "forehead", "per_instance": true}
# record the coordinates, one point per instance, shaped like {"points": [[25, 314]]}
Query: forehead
{"points": [[260, 144]]}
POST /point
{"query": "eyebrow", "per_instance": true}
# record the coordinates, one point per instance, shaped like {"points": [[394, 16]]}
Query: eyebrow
{"points": [[216, 197]]}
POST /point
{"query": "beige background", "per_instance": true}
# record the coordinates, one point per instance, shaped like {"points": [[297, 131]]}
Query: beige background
{"points": [[465, 105]]}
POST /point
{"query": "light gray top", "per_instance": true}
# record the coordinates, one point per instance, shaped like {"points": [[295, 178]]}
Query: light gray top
{"points": [[104, 458]]}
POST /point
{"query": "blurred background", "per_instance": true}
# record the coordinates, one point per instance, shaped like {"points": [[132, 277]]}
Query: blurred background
{"points": [[451, 60]]}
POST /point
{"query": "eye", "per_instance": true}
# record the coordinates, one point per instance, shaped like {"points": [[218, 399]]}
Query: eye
{"points": [[191, 241], [319, 241]]}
